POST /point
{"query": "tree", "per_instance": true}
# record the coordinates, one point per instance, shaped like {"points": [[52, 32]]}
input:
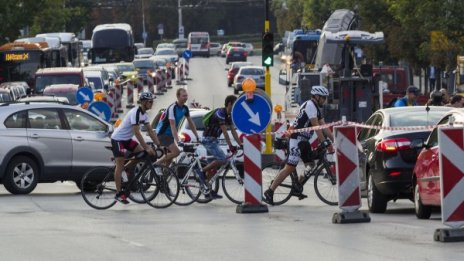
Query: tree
{"points": [[16, 15]]}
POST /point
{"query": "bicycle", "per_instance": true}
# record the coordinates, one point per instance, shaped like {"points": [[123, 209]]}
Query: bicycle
{"points": [[325, 180], [194, 189], [144, 185]]}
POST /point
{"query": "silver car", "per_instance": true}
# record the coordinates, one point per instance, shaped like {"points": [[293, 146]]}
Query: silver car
{"points": [[48, 142], [255, 72]]}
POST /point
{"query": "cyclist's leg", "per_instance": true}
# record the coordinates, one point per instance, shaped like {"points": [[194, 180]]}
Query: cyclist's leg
{"points": [[168, 141], [212, 147], [292, 161]]}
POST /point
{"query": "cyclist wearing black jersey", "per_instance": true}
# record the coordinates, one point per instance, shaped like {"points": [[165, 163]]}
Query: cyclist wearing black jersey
{"points": [[122, 138], [309, 116], [217, 125]]}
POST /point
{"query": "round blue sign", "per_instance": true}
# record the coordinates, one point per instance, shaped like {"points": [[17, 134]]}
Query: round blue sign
{"points": [[251, 116], [101, 109], [187, 54], [84, 94]]}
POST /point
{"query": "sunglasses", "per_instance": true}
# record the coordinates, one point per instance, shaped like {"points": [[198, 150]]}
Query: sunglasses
{"points": [[149, 101]]}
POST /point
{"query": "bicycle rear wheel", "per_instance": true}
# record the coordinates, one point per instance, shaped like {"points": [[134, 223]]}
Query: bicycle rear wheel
{"points": [[282, 192], [233, 188], [325, 185], [189, 185], [162, 190], [100, 188], [136, 188]]}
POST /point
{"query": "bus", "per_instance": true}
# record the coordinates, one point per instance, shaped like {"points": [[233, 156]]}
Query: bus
{"points": [[198, 43], [72, 44], [59, 53], [19, 61], [112, 43]]}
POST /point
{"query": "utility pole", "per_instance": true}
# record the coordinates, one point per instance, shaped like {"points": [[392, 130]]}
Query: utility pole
{"points": [[267, 81], [144, 33], [181, 27]]}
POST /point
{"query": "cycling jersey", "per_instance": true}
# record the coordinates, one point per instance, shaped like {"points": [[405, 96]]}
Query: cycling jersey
{"points": [[134, 117], [174, 112], [308, 110], [220, 117]]}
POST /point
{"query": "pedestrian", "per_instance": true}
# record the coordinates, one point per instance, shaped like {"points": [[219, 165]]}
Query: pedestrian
{"points": [[446, 97], [457, 101], [436, 99], [169, 124], [409, 99], [432, 77]]}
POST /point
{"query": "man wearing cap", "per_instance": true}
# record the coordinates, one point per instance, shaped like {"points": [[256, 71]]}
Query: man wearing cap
{"points": [[409, 99]]}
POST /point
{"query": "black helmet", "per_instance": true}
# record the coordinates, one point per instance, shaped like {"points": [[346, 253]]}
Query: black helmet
{"points": [[413, 89], [146, 96]]}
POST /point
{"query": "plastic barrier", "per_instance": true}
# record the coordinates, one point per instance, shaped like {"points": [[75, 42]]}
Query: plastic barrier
{"points": [[150, 83], [130, 94], [451, 144], [253, 178], [139, 84], [347, 169], [118, 100], [168, 78]]}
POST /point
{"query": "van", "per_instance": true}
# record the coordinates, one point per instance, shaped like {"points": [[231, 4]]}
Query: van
{"points": [[198, 43], [58, 75]]}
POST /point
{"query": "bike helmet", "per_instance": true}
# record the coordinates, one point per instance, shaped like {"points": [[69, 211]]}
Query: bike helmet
{"points": [[319, 90], [146, 96]]}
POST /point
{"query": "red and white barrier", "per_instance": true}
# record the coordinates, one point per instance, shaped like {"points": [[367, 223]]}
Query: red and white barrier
{"points": [[253, 176], [150, 83], [130, 94], [118, 100], [168, 78], [347, 168], [139, 84], [451, 146]]}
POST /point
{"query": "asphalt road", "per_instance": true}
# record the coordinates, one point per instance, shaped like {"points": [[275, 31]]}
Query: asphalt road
{"points": [[54, 223]]}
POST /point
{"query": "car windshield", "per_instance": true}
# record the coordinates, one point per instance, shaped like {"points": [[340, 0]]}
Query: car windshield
{"points": [[166, 52], [5, 97], [97, 82], [126, 68], [44, 80], [70, 95], [145, 51], [147, 64], [415, 118], [198, 123], [252, 71]]}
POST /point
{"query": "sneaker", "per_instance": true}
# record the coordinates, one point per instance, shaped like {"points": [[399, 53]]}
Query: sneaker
{"points": [[121, 197], [214, 195], [269, 197]]}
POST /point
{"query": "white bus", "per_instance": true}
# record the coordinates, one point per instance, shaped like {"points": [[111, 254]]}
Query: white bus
{"points": [[198, 43]]}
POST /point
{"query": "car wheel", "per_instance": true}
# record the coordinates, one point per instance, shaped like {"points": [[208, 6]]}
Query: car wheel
{"points": [[21, 175], [422, 212], [376, 201]]}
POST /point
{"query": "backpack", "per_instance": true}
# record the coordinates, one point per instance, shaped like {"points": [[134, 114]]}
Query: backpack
{"points": [[207, 117], [158, 117]]}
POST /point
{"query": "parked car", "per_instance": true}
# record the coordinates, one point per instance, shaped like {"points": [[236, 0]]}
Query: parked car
{"points": [[104, 75], [17, 90], [215, 49], [426, 174], [95, 80], [388, 156], [236, 54], [63, 90], [127, 70], [180, 46], [232, 71], [146, 52], [255, 72], [249, 48], [224, 50], [165, 46], [58, 75], [48, 142], [170, 55]]}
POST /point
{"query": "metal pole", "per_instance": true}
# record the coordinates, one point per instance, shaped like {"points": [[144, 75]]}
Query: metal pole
{"points": [[179, 9], [267, 86], [143, 25]]}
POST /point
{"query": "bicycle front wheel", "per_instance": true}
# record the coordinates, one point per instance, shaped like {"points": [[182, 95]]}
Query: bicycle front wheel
{"points": [[161, 187], [189, 185], [325, 185], [282, 192], [100, 188], [234, 189]]}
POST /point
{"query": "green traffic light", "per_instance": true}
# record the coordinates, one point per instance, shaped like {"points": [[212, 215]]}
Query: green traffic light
{"points": [[268, 49], [268, 61]]}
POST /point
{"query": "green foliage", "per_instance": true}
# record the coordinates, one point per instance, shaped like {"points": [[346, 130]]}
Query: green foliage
{"points": [[15, 15]]}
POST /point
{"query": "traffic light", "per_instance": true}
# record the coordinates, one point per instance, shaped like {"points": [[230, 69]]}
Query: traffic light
{"points": [[268, 49]]}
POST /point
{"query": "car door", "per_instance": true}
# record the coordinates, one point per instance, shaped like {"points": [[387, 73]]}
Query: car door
{"points": [[89, 137], [46, 134]]}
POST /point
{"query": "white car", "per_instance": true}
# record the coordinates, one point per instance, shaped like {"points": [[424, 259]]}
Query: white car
{"points": [[255, 72], [169, 54], [215, 49], [144, 53], [165, 45], [249, 48]]}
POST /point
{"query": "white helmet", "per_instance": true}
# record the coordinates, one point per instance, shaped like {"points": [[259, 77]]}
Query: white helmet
{"points": [[319, 90]]}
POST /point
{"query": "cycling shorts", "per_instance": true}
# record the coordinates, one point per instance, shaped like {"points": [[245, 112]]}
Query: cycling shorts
{"points": [[119, 147], [294, 152]]}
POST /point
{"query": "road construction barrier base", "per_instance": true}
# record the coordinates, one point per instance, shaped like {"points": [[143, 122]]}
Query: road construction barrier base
{"points": [[351, 217], [248, 208], [128, 106], [449, 235]]}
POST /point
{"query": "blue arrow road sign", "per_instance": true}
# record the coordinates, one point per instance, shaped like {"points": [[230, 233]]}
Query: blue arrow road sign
{"points": [[187, 54], [84, 94], [251, 117], [101, 109]]}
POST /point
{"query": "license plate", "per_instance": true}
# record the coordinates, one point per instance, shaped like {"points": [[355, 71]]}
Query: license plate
{"points": [[236, 55]]}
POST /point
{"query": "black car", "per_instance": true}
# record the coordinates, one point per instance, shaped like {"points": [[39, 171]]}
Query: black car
{"points": [[388, 156], [236, 54]]}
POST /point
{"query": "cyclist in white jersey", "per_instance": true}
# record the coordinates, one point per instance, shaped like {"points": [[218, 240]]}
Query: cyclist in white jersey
{"points": [[122, 138], [309, 116]]}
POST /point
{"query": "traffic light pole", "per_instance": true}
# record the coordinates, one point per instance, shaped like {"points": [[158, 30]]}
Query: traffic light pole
{"points": [[267, 86]]}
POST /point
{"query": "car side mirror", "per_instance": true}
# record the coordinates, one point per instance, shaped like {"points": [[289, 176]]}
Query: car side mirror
{"points": [[283, 77]]}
